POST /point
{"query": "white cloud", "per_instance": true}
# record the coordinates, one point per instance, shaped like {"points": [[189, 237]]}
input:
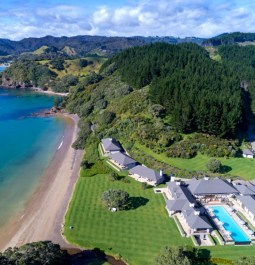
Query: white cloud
{"points": [[202, 18]]}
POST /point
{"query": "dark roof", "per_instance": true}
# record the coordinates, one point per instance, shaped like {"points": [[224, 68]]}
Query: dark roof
{"points": [[122, 159], [251, 187], [248, 202], [197, 221], [146, 172], [175, 205], [111, 145], [248, 152], [180, 192], [245, 190], [210, 186]]}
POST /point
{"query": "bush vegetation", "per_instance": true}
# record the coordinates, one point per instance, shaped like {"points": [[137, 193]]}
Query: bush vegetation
{"points": [[37, 253], [206, 95]]}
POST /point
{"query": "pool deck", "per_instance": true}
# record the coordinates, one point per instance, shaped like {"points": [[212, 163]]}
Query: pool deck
{"points": [[235, 217]]}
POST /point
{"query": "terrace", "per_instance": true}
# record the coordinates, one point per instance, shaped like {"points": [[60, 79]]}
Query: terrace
{"points": [[204, 205]]}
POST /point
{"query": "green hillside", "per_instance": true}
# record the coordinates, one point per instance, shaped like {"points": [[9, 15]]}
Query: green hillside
{"points": [[146, 97], [117, 106], [59, 74]]}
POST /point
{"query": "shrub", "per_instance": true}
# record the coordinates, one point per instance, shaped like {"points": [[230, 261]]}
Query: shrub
{"points": [[106, 117], [214, 165], [116, 199]]}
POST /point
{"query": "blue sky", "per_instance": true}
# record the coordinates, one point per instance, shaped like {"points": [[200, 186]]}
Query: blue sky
{"points": [[201, 18]]}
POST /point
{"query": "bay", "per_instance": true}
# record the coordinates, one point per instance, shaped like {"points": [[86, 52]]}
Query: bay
{"points": [[27, 144]]}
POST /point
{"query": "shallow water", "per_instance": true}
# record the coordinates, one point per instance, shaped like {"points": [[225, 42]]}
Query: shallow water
{"points": [[27, 145]]}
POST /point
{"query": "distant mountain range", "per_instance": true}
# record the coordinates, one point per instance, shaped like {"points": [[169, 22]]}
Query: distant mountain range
{"points": [[84, 44], [230, 38], [106, 46]]}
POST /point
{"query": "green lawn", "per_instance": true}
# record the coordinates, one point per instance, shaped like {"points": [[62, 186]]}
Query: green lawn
{"points": [[242, 167], [138, 235]]}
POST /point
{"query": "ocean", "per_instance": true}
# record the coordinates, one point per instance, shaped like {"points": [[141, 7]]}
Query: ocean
{"points": [[27, 144]]}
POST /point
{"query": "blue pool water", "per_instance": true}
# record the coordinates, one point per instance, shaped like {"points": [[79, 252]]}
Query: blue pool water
{"points": [[230, 224], [2, 68]]}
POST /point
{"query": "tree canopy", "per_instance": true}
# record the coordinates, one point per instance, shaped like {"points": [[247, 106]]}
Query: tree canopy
{"points": [[37, 253], [214, 165], [200, 94], [116, 199], [173, 256]]}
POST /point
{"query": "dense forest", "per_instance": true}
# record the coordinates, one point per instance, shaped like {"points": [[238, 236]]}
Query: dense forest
{"points": [[241, 59], [230, 38], [199, 93]]}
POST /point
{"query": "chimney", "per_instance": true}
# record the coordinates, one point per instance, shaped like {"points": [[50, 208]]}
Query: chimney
{"points": [[178, 182], [172, 178], [197, 212], [161, 173], [206, 178]]}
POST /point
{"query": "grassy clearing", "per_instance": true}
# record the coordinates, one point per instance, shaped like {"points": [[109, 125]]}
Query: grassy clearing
{"points": [[138, 235], [72, 67], [241, 167]]}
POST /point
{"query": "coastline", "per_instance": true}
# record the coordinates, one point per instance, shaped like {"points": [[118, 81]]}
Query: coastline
{"points": [[37, 90], [49, 92], [43, 214]]}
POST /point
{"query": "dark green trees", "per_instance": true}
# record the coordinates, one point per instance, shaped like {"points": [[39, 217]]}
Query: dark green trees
{"points": [[37, 253], [199, 93], [116, 199], [173, 256]]}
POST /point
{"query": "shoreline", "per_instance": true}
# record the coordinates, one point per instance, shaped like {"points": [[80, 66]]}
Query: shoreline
{"points": [[43, 214], [37, 90], [49, 92]]}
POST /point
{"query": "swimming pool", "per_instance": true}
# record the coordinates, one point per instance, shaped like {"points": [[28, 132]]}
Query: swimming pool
{"points": [[229, 224]]}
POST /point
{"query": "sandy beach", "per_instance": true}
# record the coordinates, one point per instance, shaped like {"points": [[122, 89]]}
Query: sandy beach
{"points": [[49, 92], [43, 215]]}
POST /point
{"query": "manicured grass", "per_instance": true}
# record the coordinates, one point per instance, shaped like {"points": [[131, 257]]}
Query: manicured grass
{"points": [[138, 235], [242, 167]]}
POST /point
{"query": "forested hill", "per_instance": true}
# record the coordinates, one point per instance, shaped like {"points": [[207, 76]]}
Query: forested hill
{"points": [[84, 44], [230, 38], [199, 93]]}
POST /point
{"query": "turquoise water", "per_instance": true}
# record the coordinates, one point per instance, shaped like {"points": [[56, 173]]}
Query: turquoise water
{"points": [[27, 144], [230, 224], [2, 68]]}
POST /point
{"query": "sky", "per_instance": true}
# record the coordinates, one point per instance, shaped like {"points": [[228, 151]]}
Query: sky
{"points": [[180, 18]]}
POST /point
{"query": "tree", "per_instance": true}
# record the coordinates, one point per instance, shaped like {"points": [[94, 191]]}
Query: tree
{"points": [[85, 164], [116, 199], [83, 63], [58, 63], [114, 176], [39, 253], [157, 110], [214, 165], [173, 256], [106, 117]]}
